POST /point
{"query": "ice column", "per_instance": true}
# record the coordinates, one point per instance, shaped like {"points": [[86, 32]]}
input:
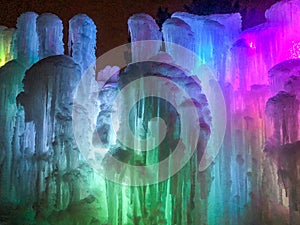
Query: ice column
{"points": [[12, 116], [6, 36], [82, 41], [49, 29], [49, 88], [27, 39], [214, 35], [143, 27], [176, 31]]}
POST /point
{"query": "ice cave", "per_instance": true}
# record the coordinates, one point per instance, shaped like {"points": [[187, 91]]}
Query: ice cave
{"points": [[193, 123]]}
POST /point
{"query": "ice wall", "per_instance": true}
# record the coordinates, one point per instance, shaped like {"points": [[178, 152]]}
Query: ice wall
{"points": [[49, 29], [47, 99], [266, 103], [232, 183], [255, 178], [143, 27]]}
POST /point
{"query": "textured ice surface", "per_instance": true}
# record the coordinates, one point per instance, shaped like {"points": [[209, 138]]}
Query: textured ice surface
{"points": [[11, 114], [283, 74], [26, 44], [167, 190], [213, 36], [231, 22], [261, 47], [49, 29], [176, 31], [143, 27], [6, 35], [283, 108], [82, 41], [44, 179], [284, 11]]}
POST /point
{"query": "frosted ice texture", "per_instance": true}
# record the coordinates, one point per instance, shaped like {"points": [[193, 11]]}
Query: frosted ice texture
{"points": [[50, 33], [143, 27]]}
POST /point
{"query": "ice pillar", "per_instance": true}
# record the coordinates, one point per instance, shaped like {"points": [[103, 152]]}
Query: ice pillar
{"points": [[49, 88], [176, 31], [49, 29], [6, 37], [82, 41], [143, 27], [27, 39], [11, 115]]}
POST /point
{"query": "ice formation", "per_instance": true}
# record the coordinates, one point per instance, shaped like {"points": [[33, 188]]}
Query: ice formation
{"points": [[49, 29], [27, 39], [211, 43], [46, 177], [11, 115], [184, 37], [150, 31], [82, 40], [153, 106], [6, 35]]}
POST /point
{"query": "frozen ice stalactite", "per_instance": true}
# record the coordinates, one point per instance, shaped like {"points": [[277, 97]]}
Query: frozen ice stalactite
{"points": [[143, 27], [82, 41], [50, 33], [231, 188], [6, 35]]}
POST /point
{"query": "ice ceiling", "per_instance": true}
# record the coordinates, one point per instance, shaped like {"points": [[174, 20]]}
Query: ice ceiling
{"points": [[48, 177]]}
